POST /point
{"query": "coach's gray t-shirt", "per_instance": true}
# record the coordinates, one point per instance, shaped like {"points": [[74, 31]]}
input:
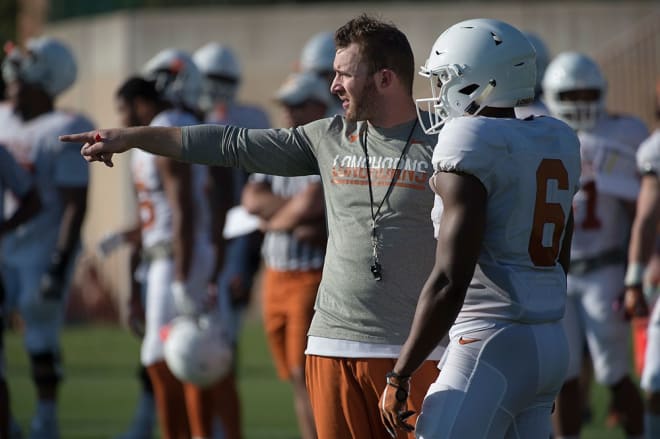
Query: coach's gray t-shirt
{"points": [[351, 304]]}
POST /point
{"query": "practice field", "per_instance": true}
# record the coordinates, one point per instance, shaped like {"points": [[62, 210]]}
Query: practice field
{"points": [[99, 394]]}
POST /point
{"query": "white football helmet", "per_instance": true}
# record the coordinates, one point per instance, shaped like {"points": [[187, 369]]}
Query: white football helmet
{"points": [[196, 350], [318, 55], [570, 72], [475, 64], [46, 62], [177, 78], [222, 74], [542, 58]]}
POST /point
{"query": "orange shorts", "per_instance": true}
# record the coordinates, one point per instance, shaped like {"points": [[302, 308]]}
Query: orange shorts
{"points": [[288, 307], [344, 393]]}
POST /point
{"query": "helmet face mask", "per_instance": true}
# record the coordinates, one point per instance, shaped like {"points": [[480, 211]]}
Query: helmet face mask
{"points": [[215, 90], [475, 64], [222, 74], [574, 90]]}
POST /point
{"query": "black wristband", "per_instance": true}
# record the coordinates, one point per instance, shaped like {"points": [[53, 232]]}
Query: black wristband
{"points": [[395, 375]]}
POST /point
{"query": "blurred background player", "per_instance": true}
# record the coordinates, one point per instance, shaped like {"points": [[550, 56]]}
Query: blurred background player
{"points": [[574, 90], [137, 103], [318, 57], [39, 256], [218, 100], [18, 182], [643, 247], [536, 107], [176, 243], [293, 219]]}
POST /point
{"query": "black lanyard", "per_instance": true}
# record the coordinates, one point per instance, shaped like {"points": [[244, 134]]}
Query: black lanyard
{"points": [[376, 268]]}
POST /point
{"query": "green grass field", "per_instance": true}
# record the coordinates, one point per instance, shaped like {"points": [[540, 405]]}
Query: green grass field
{"points": [[99, 394]]}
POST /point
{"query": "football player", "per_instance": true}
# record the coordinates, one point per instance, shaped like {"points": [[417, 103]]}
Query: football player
{"points": [[176, 245], [39, 257], [642, 248], [137, 103], [574, 90], [293, 219], [18, 182], [219, 101], [504, 189]]}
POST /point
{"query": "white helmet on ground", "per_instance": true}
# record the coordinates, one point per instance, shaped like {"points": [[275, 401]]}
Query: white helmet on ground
{"points": [[196, 350], [177, 78], [475, 64], [45, 62], [318, 55], [542, 57], [222, 74], [572, 72]]}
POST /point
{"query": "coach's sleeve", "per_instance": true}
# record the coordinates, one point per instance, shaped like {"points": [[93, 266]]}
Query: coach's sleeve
{"points": [[285, 152]]}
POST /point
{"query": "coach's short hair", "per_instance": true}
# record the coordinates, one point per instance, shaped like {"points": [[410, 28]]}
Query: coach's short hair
{"points": [[382, 46]]}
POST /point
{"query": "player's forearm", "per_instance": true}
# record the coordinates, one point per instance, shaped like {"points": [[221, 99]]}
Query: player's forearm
{"points": [[303, 208], [258, 199], [221, 201], [642, 239], [75, 206], [28, 207], [438, 306], [182, 244]]}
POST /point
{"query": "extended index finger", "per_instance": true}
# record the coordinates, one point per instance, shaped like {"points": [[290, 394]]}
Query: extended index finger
{"points": [[87, 137]]}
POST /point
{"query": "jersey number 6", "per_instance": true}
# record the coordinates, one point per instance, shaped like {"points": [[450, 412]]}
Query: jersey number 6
{"points": [[547, 213]]}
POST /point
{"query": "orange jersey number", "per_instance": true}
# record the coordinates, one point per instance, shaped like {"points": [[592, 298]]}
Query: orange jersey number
{"points": [[547, 213]]}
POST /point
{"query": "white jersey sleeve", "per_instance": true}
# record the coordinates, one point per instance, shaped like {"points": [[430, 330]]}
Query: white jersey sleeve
{"points": [[530, 170], [648, 155]]}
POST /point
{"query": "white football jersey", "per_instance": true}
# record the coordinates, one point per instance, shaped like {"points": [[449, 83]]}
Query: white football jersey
{"points": [[609, 177], [648, 155], [53, 165], [530, 169], [155, 212]]}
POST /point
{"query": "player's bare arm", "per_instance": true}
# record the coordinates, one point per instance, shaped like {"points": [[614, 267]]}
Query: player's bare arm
{"points": [[100, 145], [75, 205], [220, 200], [459, 242], [642, 242], [29, 205], [565, 252], [305, 207], [176, 178], [258, 199]]}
